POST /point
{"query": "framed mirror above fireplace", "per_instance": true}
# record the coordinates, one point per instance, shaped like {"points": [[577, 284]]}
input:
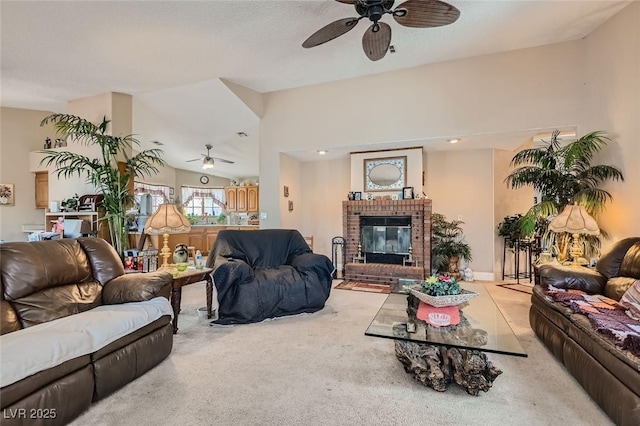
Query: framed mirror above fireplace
{"points": [[385, 174]]}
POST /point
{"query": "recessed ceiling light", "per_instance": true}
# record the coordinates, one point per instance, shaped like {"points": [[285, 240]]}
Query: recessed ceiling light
{"points": [[242, 134], [454, 140], [322, 151]]}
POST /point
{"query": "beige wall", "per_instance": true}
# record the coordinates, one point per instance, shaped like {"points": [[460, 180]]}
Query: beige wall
{"points": [[20, 134], [413, 176], [495, 93], [291, 176], [507, 202], [612, 103], [460, 184], [590, 84], [325, 185]]}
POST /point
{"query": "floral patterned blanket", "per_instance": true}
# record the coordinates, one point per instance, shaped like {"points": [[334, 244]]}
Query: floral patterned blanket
{"points": [[606, 315]]}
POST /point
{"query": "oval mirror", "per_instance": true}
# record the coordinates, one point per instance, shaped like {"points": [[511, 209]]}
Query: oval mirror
{"points": [[385, 174]]}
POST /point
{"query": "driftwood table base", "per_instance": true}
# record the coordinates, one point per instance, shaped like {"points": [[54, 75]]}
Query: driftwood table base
{"points": [[437, 366]]}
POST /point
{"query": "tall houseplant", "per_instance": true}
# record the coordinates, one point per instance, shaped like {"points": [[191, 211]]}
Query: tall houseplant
{"points": [[104, 173], [562, 175], [447, 244]]}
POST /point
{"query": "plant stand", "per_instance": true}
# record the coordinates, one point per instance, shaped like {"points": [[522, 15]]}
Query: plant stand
{"points": [[518, 247]]}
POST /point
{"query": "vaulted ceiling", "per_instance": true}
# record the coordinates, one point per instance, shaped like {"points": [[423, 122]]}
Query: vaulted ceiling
{"points": [[180, 60]]}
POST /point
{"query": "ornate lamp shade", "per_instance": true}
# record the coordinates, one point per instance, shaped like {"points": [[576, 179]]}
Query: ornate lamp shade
{"points": [[167, 220], [575, 220]]}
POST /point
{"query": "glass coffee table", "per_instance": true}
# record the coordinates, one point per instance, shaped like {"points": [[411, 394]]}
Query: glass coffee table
{"points": [[437, 356]]}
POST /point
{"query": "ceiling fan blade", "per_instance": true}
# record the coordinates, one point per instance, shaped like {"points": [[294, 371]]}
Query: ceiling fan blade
{"points": [[425, 13], [331, 31], [223, 160], [376, 42], [195, 159]]}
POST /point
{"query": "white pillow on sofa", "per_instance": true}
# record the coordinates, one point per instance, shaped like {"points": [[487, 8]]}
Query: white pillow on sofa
{"points": [[631, 300]]}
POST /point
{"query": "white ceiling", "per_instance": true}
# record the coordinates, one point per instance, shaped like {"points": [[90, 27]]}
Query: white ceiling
{"points": [[171, 55]]}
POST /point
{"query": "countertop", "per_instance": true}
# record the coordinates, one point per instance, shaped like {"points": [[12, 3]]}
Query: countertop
{"points": [[208, 226], [224, 226]]}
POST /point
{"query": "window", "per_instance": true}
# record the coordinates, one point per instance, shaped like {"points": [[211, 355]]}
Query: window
{"points": [[159, 193], [203, 201]]}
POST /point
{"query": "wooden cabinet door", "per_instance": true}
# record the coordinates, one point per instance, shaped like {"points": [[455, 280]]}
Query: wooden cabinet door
{"points": [[241, 200], [197, 241], [231, 195], [42, 190], [252, 199], [211, 238]]}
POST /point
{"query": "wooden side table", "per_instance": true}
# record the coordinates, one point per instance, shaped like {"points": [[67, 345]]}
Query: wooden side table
{"points": [[190, 276]]}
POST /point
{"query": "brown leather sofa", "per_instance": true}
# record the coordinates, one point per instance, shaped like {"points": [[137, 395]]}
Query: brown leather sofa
{"points": [[74, 327], [609, 374]]}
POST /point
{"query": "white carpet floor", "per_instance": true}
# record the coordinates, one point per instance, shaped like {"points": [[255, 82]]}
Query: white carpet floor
{"points": [[320, 369]]}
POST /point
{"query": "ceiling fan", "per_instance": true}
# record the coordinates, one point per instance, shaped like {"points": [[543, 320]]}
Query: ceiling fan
{"points": [[208, 160], [377, 38]]}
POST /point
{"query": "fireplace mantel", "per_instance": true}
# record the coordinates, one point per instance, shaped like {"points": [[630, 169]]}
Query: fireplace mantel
{"points": [[420, 213]]}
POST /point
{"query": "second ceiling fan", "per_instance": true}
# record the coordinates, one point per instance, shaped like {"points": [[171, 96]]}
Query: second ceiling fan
{"points": [[208, 160], [377, 38]]}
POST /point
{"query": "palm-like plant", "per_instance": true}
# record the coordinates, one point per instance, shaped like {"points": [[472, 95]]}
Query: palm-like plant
{"points": [[447, 241], [103, 173], [562, 175]]}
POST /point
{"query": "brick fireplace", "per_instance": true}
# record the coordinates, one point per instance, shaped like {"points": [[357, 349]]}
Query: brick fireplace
{"points": [[382, 273]]}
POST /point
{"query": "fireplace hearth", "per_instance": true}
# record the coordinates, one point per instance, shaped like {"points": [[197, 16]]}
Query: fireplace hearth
{"points": [[386, 231]]}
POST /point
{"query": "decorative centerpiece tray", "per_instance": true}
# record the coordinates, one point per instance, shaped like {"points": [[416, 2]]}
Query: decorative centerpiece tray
{"points": [[441, 301]]}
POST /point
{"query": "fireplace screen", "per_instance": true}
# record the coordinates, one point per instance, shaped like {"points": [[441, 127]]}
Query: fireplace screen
{"points": [[385, 239]]}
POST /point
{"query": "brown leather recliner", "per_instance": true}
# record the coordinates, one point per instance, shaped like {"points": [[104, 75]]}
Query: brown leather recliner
{"points": [[609, 374], [93, 327]]}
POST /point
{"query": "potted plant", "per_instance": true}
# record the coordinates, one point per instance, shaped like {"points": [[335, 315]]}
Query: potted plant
{"points": [[511, 229], [110, 173], [70, 204], [447, 245], [562, 175]]}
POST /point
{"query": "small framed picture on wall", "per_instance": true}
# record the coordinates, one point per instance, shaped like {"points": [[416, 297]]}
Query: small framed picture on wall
{"points": [[407, 192]]}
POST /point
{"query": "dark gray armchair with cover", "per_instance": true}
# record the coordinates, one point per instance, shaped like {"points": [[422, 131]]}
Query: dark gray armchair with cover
{"points": [[266, 274]]}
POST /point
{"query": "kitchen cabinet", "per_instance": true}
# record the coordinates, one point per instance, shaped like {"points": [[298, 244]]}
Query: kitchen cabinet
{"points": [[242, 198], [42, 190], [252, 198], [197, 240], [201, 237], [231, 196]]}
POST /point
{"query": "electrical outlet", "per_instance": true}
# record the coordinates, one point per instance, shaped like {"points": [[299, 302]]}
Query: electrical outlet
{"points": [[263, 215]]}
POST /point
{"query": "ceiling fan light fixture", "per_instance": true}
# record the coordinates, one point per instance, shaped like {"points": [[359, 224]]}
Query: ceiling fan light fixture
{"points": [[377, 38], [208, 163]]}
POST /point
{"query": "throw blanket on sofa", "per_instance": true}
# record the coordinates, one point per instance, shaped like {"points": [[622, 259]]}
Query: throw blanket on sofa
{"points": [[606, 315]]}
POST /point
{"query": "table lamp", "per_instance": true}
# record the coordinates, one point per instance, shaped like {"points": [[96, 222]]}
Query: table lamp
{"points": [[575, 220], [167, 220]]}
